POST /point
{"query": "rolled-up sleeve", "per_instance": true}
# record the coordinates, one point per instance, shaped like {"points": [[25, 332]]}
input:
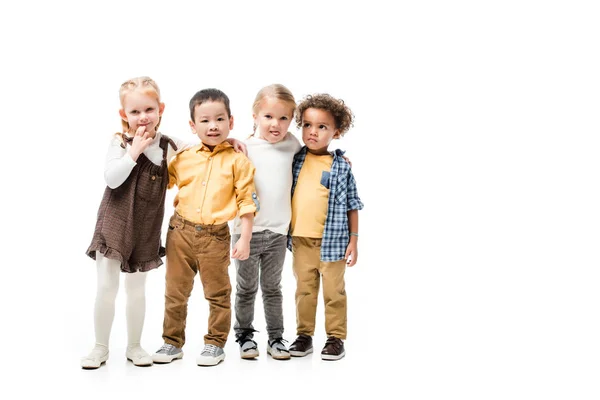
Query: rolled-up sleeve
{"points": [[353, 201], [245, 192]]}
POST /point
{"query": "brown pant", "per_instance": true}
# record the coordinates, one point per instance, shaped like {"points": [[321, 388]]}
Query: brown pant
{"points": [[308, 268], [204, 249]]}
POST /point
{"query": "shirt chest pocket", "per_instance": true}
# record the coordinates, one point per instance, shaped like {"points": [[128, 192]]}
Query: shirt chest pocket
{"points": [[326, 179], [341, 191], [150, 187]]}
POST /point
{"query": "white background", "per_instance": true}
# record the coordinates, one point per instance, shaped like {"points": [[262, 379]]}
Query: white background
{"points": [[475, 150]]}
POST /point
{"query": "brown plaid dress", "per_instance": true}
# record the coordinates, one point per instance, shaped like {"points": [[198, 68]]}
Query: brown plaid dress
{"points": [[130, 217]]}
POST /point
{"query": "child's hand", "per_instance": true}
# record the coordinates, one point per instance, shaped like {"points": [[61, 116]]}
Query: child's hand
{"points": [[238, 146], [351, 254], [347, 160], [241, 250], [141, 141]]}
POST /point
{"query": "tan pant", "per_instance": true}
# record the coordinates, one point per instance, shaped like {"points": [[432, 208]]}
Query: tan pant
{"points": [[193, 248], [308, 269]]}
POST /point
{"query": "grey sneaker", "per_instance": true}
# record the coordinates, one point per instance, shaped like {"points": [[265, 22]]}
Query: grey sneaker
{"points": [[166, 354], [211, 355], [248, 347], [277, 350]]}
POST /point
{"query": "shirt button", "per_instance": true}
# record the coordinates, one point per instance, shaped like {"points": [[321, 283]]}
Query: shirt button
{"points": [[153, 177], [197, 210], [203, 183]]}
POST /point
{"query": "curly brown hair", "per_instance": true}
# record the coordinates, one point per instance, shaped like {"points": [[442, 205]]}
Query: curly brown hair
{"points": [[342, 115]]}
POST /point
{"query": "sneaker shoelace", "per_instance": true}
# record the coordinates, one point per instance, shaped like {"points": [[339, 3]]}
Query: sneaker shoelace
{"points": [[245, 337], [210, 349], [165, 348], [278, 344]]}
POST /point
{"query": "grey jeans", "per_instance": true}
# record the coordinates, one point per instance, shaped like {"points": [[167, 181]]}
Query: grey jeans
{"points": [[265, 263]]}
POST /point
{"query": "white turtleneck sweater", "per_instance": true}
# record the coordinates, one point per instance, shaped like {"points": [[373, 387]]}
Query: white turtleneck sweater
{"points": [[273, 182]]}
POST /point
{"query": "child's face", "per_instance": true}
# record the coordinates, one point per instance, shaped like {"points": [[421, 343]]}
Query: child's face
{"points": [[318, 130], [140, 109], [273, 119], [211, 123]]}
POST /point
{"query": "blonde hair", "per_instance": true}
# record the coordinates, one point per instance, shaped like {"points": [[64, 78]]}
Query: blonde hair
{"points": [[143, 84], [278, 92]]}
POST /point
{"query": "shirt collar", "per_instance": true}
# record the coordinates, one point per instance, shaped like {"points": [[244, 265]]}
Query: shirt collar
{"points": [[220, 147]]}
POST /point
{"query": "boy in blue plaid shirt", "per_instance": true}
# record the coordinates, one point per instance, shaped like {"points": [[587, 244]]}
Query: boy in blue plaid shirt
{"points": [[324, 229]]}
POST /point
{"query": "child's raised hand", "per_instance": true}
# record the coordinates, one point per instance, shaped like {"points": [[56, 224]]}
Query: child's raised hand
{"points": [[141, 141], [241, 250], [351, 254]]}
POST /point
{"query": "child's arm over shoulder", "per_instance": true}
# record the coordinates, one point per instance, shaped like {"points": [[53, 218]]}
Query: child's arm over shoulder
{"points": [[118, 164]]}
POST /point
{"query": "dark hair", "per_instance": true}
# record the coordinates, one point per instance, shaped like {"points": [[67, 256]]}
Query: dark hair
{"points": [[342, 115], [209, 95]]}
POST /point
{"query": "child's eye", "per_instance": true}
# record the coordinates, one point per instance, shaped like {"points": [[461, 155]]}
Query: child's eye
{"points": [[306, 125], [220, 119], [284, 118], [149, 109], [203, 121], [267, 116], [134, 112], [322, 126]]}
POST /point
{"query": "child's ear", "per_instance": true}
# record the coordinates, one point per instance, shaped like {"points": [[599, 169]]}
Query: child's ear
{"points": [[123, 115], [161, 109], [231, 122], [336, 134], [193, 127]]}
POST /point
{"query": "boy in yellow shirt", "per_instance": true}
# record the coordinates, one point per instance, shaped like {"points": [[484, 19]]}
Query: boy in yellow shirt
{"points": [[215, 183]]}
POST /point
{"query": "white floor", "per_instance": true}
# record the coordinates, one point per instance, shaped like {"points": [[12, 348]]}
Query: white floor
{"points": [[413, 334]]}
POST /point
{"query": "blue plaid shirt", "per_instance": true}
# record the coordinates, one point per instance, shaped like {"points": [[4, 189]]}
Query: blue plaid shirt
{"points": [[343, 197]]}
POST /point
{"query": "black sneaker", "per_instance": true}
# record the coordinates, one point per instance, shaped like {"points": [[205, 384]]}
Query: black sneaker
{"points": [[248, 347], [301, 346], [333, 350]]}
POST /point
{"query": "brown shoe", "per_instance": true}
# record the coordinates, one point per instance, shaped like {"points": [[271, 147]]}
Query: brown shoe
{"points": [[301, 346], [333, 350]]}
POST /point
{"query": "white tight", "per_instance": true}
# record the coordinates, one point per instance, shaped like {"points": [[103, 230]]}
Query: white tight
{"points": [[109, 273]]}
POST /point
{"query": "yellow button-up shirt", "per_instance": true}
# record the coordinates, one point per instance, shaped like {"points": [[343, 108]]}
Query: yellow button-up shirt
{"points": [[213, 185]]}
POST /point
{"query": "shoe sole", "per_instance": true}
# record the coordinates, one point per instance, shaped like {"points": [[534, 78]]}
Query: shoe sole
{"points": [[249, 356], [141, 365], [167, 359], [281, 357], [330, 357], [295, 353], [211, 362]]}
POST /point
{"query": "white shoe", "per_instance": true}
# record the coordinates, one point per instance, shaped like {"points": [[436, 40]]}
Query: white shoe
{"points": [[96, 358], [138, 356]]}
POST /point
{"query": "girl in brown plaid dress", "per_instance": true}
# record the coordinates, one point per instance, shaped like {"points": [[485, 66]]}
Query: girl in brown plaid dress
{"points": [[127, 237]]}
